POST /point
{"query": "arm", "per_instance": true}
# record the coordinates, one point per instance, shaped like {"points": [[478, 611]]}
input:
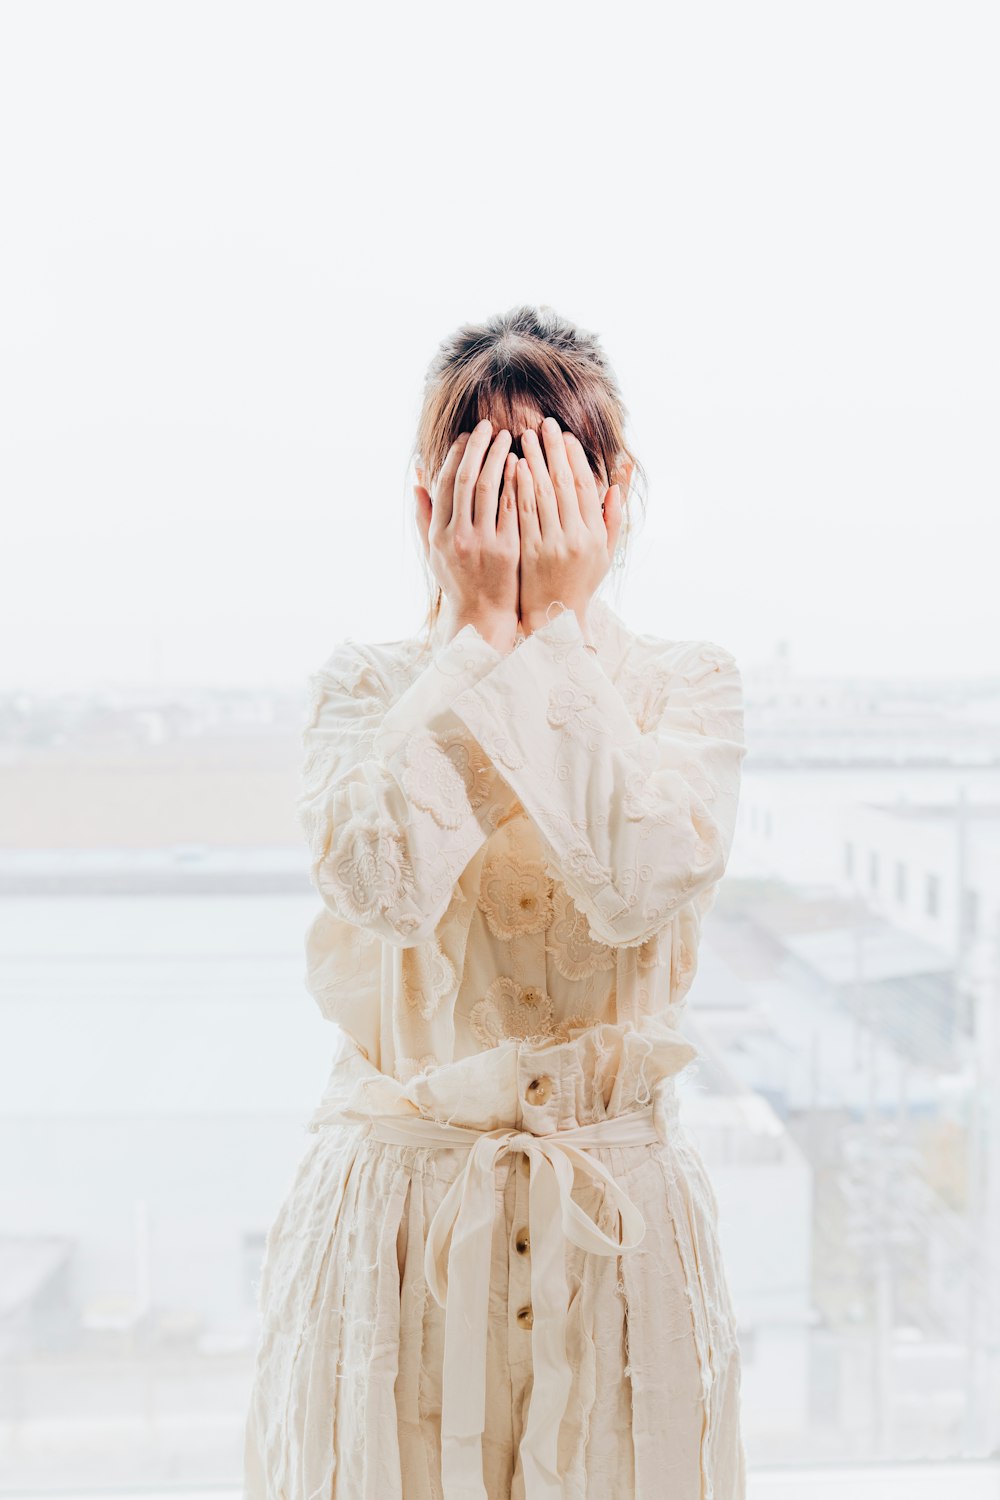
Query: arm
{"points": [[396, 797], [636, 823]]}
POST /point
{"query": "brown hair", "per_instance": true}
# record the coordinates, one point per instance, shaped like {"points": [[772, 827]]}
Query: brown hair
{"points": [[515, 369]]}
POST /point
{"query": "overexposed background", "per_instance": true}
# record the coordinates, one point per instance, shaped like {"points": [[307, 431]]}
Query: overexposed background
{"points": [[235, 234], [232, 237]]}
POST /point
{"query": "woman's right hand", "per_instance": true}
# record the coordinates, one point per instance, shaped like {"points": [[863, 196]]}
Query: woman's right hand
{"points": [[471, 535]]}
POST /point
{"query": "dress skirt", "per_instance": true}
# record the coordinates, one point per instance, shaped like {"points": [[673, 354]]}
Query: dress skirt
{"points": [[366, 1388]]}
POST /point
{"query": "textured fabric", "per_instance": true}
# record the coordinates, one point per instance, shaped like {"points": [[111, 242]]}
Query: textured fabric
{"points": [[514, 855]]}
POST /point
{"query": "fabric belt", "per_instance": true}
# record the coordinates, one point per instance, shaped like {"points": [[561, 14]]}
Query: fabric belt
{"points": [[457, 1264]]}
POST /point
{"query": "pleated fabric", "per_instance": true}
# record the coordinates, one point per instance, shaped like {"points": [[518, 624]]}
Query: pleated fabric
{"points": [[347, 1390]]}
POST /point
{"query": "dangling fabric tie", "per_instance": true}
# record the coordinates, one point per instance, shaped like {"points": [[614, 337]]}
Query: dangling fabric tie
{"points": [[457, 1270]]}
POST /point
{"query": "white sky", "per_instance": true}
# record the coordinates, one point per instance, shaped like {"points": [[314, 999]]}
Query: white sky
{"points": [[234, 234]]}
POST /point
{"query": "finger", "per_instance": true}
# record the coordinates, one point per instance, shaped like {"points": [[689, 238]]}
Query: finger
{"points": [[424, 513], [527, 512], [467, 474], [545, 507], [614, 514], [490, 476], [444, 487], [587, 492], [561, 475], [507, 516]]}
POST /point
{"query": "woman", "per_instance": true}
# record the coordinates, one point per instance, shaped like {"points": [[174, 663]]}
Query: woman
{"points": [[496, 1275]]}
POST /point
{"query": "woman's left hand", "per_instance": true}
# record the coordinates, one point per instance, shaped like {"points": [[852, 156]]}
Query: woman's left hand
{"points": [[567, 540]]}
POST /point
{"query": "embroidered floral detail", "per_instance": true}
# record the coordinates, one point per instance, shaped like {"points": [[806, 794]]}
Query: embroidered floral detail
{"points": [[515, 895], [407, 1068], [445, 775], [367, 871], [582, 862], [433, 781], [428, 977], [575, 953], [568, 707], [566, 851], [477, 770], [507, 752], [513, 1012], [510, 1010], [640, 802]]}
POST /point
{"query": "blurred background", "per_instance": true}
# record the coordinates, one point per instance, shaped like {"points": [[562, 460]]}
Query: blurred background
{"points": [[233, 237]]}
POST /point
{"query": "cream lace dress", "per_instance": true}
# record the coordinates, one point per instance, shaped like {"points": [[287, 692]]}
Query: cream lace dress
{"points": [[496, 1274]]}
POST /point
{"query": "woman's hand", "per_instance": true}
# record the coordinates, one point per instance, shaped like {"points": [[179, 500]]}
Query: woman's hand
{"points": [[470, 533], [567, 540]]}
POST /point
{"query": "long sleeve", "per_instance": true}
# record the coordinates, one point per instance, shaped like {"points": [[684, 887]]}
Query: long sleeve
{"points": [[636, 822], [396, 795]]}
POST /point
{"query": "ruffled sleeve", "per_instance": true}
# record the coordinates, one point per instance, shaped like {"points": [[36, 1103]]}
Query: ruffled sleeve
{"points": [[635, 822], [396, 795]]}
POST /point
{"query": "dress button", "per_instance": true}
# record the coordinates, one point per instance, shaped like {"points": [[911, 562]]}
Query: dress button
{"points": [[539, 1089], [525, 1316], [522, 1243]]}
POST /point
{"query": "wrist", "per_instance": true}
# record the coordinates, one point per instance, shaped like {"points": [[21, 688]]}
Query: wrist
{"points": [[498, 629], [534, 619]]}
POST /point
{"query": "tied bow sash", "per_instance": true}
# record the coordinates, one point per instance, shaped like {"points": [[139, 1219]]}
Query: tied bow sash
{"points": [[457, 1269]]}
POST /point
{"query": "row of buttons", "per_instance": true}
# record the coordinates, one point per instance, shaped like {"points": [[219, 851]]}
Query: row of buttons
{"points": [[539, 1090], [522, 1244]]}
